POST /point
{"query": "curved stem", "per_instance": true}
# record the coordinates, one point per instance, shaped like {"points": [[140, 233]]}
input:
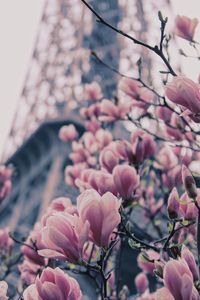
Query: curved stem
{"points": [[155, 49]]}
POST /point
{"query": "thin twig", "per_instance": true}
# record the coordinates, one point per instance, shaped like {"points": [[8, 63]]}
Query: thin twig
{"points": [[155, 49]]}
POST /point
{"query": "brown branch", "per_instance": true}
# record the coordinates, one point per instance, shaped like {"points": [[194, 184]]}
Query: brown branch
{"points": [[155, 49]]}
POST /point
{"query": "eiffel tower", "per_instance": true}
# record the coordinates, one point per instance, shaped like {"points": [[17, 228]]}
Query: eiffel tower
{"points": [[60, 65]]}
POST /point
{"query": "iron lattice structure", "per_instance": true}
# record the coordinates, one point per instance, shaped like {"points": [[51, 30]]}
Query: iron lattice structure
{"points": [[61, 58]]}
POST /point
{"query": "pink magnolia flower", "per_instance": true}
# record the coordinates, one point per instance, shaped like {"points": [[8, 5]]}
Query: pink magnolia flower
{"points": [[185, 156], [141, 97], [5, 241], [102, 182], [64, 236], [124, 150], [175, 128], [92, 125], [83, 182], [68, 133], [3, 290], [93, 91], [53, 284], [108, 159], [89, 141], [29, 271], [143, 145], [102, 213], [185, 27], [141, 282], [164, 113], [172, 177], [103, 137], [185, 92], [126, 180], [178, 280], [111, 112], [130, 87], [91, 112], [60, 204], [154, 206], [74, 172], [148, 265], [166, 159], [187, 255]]}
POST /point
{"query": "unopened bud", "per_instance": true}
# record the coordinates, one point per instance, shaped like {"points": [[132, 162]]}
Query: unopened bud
{"points": [[189, 182], [173, 204]]}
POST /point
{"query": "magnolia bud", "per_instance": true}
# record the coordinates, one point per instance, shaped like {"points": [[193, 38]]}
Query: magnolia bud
{"points": [[173, 204], [189, 182]]}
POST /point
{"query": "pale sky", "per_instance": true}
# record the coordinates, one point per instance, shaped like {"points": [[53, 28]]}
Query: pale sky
{"points": [[19, 21]]}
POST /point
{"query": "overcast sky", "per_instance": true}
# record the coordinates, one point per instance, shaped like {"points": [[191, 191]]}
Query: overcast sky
{"points": [[19, 21]]}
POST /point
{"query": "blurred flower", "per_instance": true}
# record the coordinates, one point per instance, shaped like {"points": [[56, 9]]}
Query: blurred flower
{"points": [[102, 182], [141, 282], [189, 182], [141, 97], [3, 290], [111, 112], [74, 172], [93, 91], [103, 137], [185, 27], [5, 241], [108, 159], [60, 204], [29, 271], [68, 133], [102, 213], [143, 145], [164, 113]]}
